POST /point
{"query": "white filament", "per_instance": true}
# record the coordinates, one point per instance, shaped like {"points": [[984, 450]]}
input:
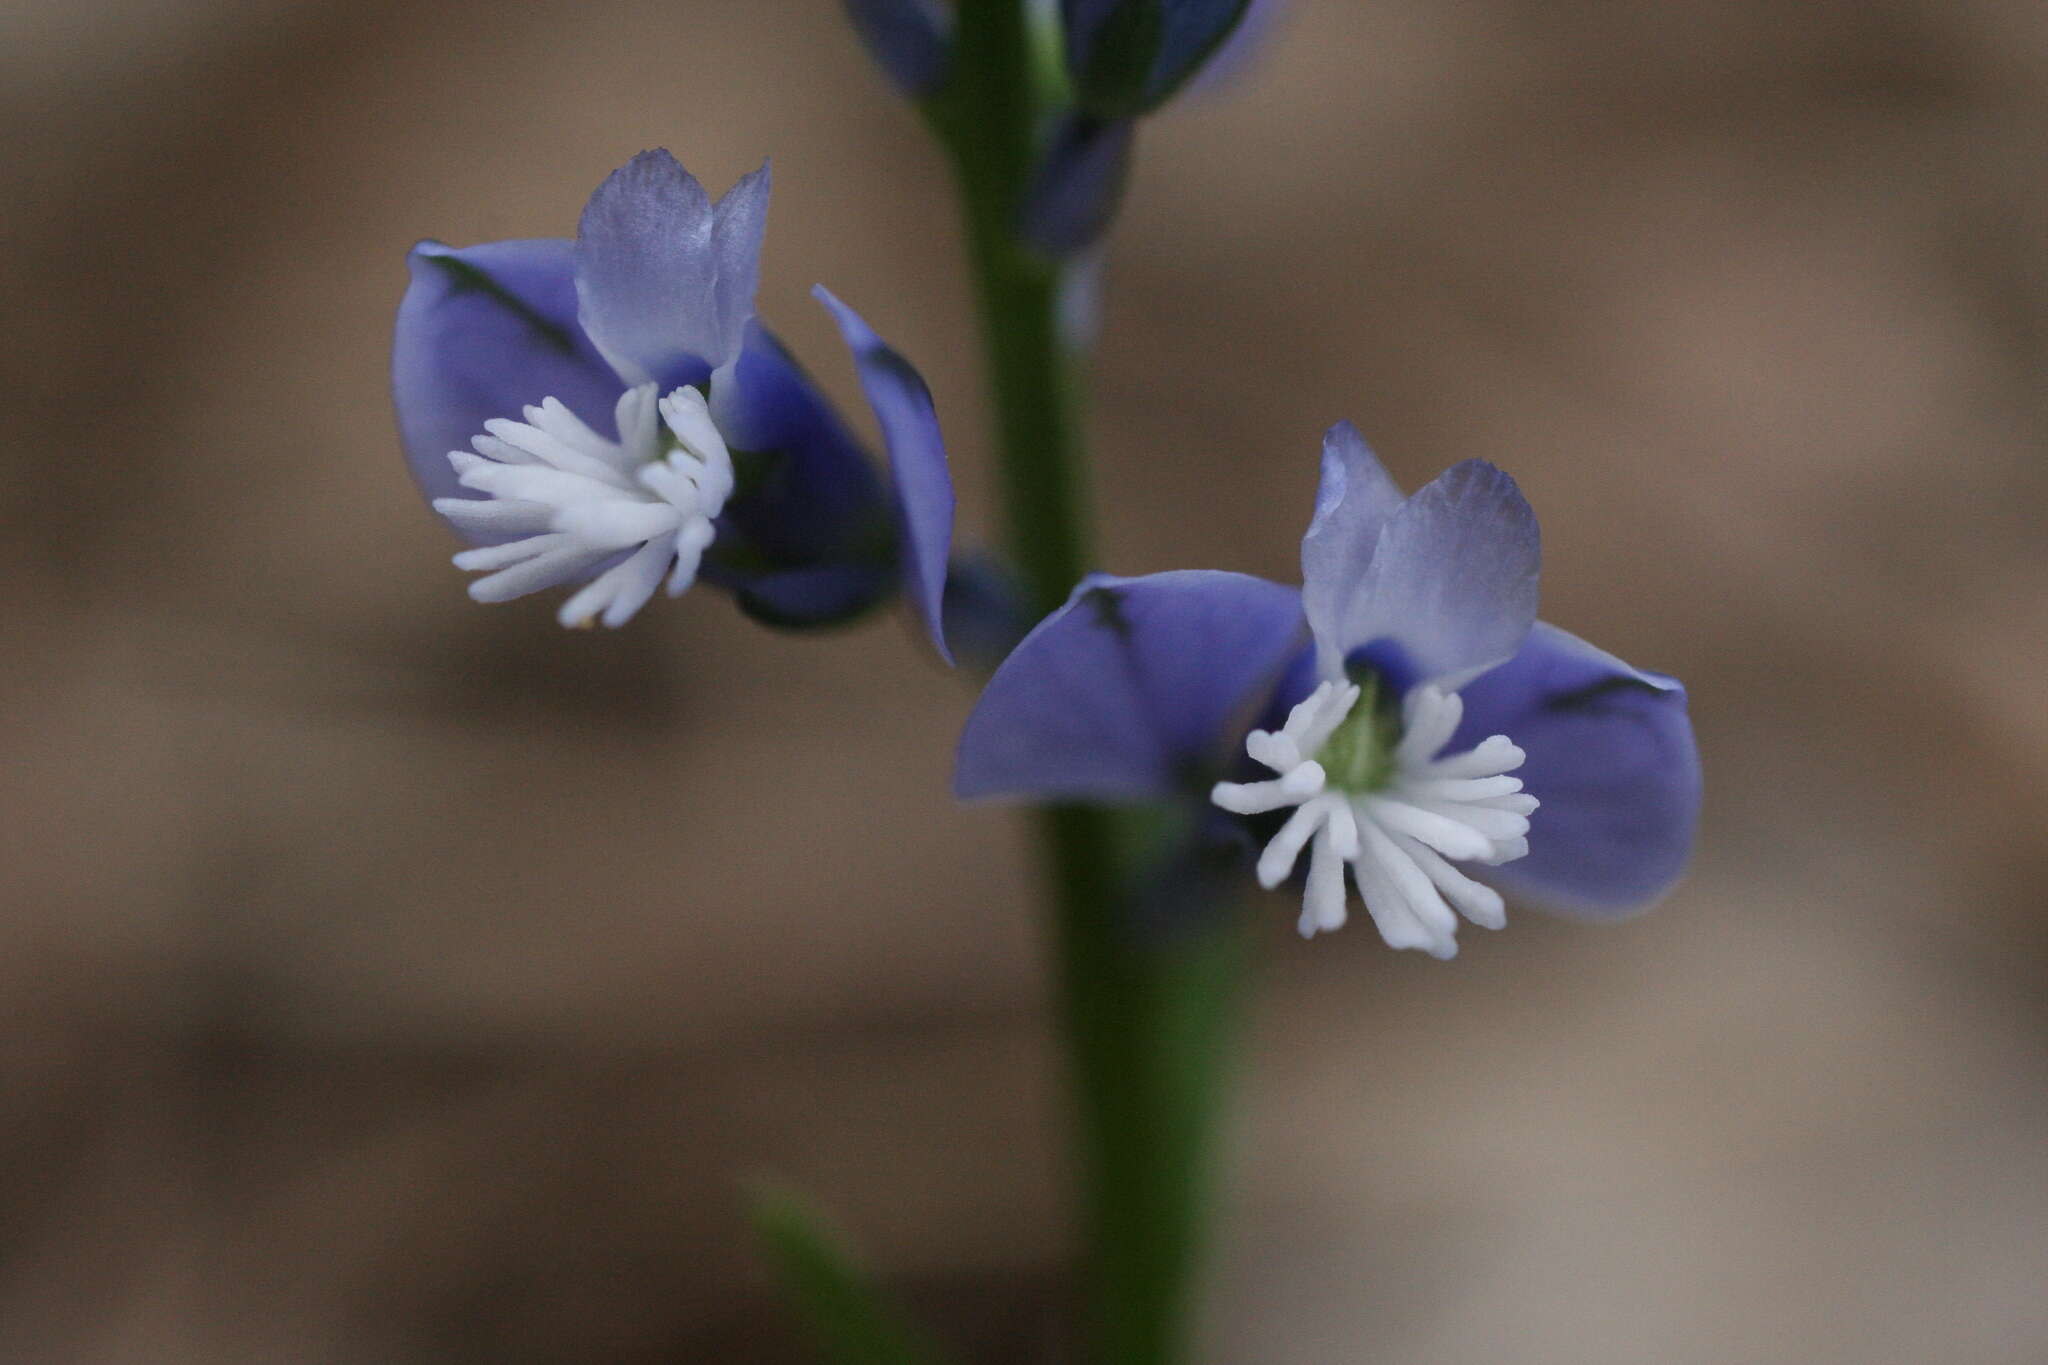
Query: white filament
{"points": [[1399, 840], [575, 499]]}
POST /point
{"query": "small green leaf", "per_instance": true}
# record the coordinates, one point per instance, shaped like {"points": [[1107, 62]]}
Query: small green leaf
{"points": [[849, 1317]]}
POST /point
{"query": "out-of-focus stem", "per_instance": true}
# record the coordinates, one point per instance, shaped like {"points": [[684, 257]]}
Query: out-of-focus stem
{"points": [[987, 117]]}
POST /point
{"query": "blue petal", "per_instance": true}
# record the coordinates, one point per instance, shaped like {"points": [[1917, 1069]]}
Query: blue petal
{"points": [[1452, 584], [822, 497], [666, 280], [1612, 759], [821, 595], [482, 332], [917, 457], [1354, 502], [738, 225], [1137, 687], [1079, 182], [910, 39]]}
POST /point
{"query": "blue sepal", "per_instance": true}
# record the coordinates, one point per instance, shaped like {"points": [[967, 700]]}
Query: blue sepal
{"points": [[1078, 185], [911, 40], [1128, 57]]}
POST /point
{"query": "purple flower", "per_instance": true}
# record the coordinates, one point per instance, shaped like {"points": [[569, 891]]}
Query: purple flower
{"points": [[1422, 728], [608, 413]]}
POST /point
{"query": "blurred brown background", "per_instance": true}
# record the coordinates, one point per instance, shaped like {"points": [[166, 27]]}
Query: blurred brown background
{"points": [[389, 979]]}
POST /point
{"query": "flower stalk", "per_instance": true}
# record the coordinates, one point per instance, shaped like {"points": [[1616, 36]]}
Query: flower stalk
{"points": [[1146, 1016]]}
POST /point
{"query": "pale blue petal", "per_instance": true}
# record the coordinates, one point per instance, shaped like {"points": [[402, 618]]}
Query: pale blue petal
{"points": [[738, 225], [665, 280], [1452, 587], [1354, 502]]}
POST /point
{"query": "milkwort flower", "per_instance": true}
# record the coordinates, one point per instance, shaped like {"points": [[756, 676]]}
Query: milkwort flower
{"points": [[1128, 57], [608, 413], [1125, 59], [1438, 741], [911, 40]]}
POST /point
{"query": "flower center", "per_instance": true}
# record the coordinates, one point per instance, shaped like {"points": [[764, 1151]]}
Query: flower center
{"points": [[1359, 754], [565, 504], [1376, 793]]}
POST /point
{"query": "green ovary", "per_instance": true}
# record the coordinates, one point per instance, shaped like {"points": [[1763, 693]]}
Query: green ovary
{"points": [[1359, 757]]}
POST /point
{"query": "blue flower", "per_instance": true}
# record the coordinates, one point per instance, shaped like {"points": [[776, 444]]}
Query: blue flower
{"points": [[1432, 736], [1130, 56], [608, 413], [1125, 59], [911, 40]]}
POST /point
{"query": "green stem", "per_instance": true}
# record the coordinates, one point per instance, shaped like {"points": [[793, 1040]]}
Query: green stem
{"points": [[1148, 1023], [988, 117], [1146, 1019]]}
